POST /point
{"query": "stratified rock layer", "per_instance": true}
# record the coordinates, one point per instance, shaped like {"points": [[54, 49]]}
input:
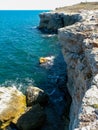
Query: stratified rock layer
{"points": [[12, 106], [80, 49]]}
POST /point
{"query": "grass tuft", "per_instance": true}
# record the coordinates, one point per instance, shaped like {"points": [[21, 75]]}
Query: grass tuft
{"points": [[78, 7]]}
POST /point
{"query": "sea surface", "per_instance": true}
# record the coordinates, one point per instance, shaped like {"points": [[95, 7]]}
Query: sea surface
{"points": [[21, 46]]}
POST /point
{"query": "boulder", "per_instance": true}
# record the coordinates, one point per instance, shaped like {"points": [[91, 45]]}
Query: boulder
{"points": [[47, 60], [43, 60], [36, 95], [32, 119], [12, 106]]}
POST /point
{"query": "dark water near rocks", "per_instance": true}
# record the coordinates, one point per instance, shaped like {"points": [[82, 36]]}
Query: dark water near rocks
{"points": [[21, 46]]}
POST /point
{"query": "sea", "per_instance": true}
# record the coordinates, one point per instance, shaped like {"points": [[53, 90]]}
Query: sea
{"points": [[21, 46]]}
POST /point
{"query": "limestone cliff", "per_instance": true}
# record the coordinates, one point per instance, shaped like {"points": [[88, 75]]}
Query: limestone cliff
{"points": [[79, 43], [80, 49], [50, 22]]}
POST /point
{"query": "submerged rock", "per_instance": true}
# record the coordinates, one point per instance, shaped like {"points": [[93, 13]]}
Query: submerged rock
{"points": [[32, 119], [46, 60], [36, 95], [43, 60], [12, 106]]}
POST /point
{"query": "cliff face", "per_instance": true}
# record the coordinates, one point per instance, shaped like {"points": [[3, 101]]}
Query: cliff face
{"points": [[80, 49], [50, 22], [79, 43]]}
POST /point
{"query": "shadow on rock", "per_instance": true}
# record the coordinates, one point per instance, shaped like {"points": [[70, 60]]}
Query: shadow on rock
{"points": [[33, 119]]}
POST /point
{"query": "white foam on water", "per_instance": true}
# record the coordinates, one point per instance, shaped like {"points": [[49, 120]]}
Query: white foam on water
{"points": [[49, 35], [20, 84]]}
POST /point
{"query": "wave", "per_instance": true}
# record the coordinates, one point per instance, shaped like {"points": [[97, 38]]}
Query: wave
{"points": [[49, 35], [20, 84]]}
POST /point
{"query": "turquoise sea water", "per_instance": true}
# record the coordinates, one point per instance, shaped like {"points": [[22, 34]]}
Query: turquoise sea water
{"points": [[21, 46]]}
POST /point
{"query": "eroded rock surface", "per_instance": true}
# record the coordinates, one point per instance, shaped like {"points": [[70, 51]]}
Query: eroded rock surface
{"points": [[79, 44], [36, 95], [12, 106], [50, 22]]}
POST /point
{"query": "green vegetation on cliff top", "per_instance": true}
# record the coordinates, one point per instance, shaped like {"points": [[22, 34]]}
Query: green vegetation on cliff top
{"points": [[78, 7]]}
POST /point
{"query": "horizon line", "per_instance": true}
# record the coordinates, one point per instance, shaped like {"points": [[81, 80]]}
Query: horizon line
{"points": [[25, 9]]}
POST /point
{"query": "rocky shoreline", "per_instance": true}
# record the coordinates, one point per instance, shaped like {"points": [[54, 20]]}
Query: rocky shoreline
{"points": [[37, 108], [79, 43], [21, 111], [78, 37]]}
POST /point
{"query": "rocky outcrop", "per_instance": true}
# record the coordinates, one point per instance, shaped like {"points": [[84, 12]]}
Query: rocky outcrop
{"points": [[33, 119], [50, 22], [36, 95], [15, 112], [47, 60], [12, 106], [79, 44]]}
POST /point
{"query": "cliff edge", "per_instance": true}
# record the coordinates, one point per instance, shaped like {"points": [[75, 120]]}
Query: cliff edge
{"points": [[80, 49], [78, 36]]}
